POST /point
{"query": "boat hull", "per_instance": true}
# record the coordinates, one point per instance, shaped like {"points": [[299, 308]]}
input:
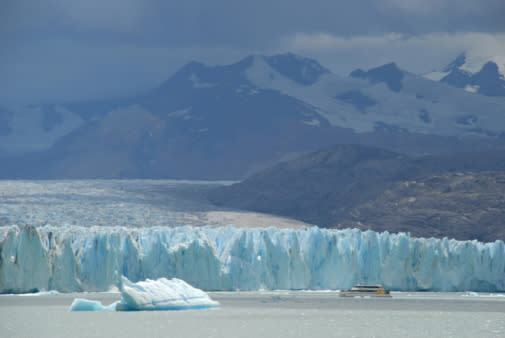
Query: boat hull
{"points": [[360, 294], [366, 291]]}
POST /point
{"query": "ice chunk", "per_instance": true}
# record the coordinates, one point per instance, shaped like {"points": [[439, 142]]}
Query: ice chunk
{"points": [[40, 293], [80, 304], [471, 294], [162, 294], [151, 295]]}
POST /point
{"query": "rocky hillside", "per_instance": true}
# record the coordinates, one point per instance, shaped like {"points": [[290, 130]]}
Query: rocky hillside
{"points": [[462, 196]]}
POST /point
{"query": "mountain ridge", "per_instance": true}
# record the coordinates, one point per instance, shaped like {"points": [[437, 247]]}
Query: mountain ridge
{"points": [[483, 75], [371, 188], [226, 122]]}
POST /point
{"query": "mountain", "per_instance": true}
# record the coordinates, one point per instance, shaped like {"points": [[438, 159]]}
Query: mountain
{"points": [[204, 122], [476, 74], [389, 74], [34, 128], [458, 196], [389, 98], [227, 122], [301, 70]]}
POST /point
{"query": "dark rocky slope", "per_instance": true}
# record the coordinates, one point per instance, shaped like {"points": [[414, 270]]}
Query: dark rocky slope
{"points": [[460, 196]]}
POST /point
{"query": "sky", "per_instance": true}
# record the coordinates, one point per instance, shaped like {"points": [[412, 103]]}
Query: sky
{"points": [[69, 50]]}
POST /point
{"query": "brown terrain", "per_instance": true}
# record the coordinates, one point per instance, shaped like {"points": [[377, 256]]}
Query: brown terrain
{"points": [[459, 196]]}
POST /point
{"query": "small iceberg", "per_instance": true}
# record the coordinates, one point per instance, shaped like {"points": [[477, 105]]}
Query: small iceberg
{"points": [[80, 304], [471, 294], [151, 295]]}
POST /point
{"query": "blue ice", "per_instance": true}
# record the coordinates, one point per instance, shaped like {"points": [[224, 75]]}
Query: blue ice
{"points": [[73, 258], [151, 295]]}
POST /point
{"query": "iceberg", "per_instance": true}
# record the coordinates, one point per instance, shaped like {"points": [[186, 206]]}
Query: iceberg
{"points": [[74, 258], [80, 304], [151, 295]]}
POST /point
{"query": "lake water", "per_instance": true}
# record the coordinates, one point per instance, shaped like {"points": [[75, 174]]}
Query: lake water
{"points": [[264, 314]]}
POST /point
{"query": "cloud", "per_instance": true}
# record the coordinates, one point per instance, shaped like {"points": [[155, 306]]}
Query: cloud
{"points": [[52, 71], [326, 41], [68, 49], [416, 53], [96, 15], [491, 43], [66, 70], [443, 8], [245, 24]]}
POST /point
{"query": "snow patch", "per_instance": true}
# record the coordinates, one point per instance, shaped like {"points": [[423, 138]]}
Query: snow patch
{"points": [[28, 133], [180, 113], [436, 76], [197, 83], [313, 122], [472, 89], [400, 109], [475, 61], [246, 90]]}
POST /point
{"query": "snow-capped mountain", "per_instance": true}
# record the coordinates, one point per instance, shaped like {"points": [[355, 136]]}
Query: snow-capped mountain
{"points": [[228, 121], [475, 73], [391, 98], [34, 128], [204, 122], [389, 74], [302, 70]]}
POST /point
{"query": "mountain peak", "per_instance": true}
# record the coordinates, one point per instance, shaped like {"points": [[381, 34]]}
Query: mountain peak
{"points": [[476, 74], [192, 66], [389, 73], [490, 68], [300, 69], [489, 80], [459, 61], [184, 73], [199, 76]]}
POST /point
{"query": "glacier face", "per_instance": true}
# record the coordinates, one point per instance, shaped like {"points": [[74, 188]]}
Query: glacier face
{"points": [[76, 258]]}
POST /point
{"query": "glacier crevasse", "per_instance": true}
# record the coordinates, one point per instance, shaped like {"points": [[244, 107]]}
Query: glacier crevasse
{"points": [[93, 259]]}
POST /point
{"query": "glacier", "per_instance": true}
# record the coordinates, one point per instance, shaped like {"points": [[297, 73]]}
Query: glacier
{"points": [[74, 258], [151, 295]]}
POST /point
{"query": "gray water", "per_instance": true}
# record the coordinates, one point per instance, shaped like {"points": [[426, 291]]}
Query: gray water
{"points": [[265, 314]]}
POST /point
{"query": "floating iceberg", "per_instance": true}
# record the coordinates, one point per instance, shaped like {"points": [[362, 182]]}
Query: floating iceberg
{"points": [[162, 294], [151, 295], [80, 304], [93, 259]]}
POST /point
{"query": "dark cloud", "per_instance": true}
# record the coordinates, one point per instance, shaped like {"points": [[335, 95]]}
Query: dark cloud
{"points": [[70, 49], [246, 23]]}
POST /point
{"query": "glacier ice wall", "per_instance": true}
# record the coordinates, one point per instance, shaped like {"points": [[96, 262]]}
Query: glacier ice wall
{"points": [[227, 258]]}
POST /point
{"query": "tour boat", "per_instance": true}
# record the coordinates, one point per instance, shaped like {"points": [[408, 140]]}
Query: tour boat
{"points": [[366, 291]]}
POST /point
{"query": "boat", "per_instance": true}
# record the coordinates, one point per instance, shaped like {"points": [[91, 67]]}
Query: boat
{"points": [[366, 291]]}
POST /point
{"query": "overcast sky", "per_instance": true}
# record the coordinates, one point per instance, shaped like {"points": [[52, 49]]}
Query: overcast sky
{"points": [[64, 50]]}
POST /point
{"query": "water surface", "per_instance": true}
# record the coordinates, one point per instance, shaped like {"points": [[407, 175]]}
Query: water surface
{"points": [[265, 314]]}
